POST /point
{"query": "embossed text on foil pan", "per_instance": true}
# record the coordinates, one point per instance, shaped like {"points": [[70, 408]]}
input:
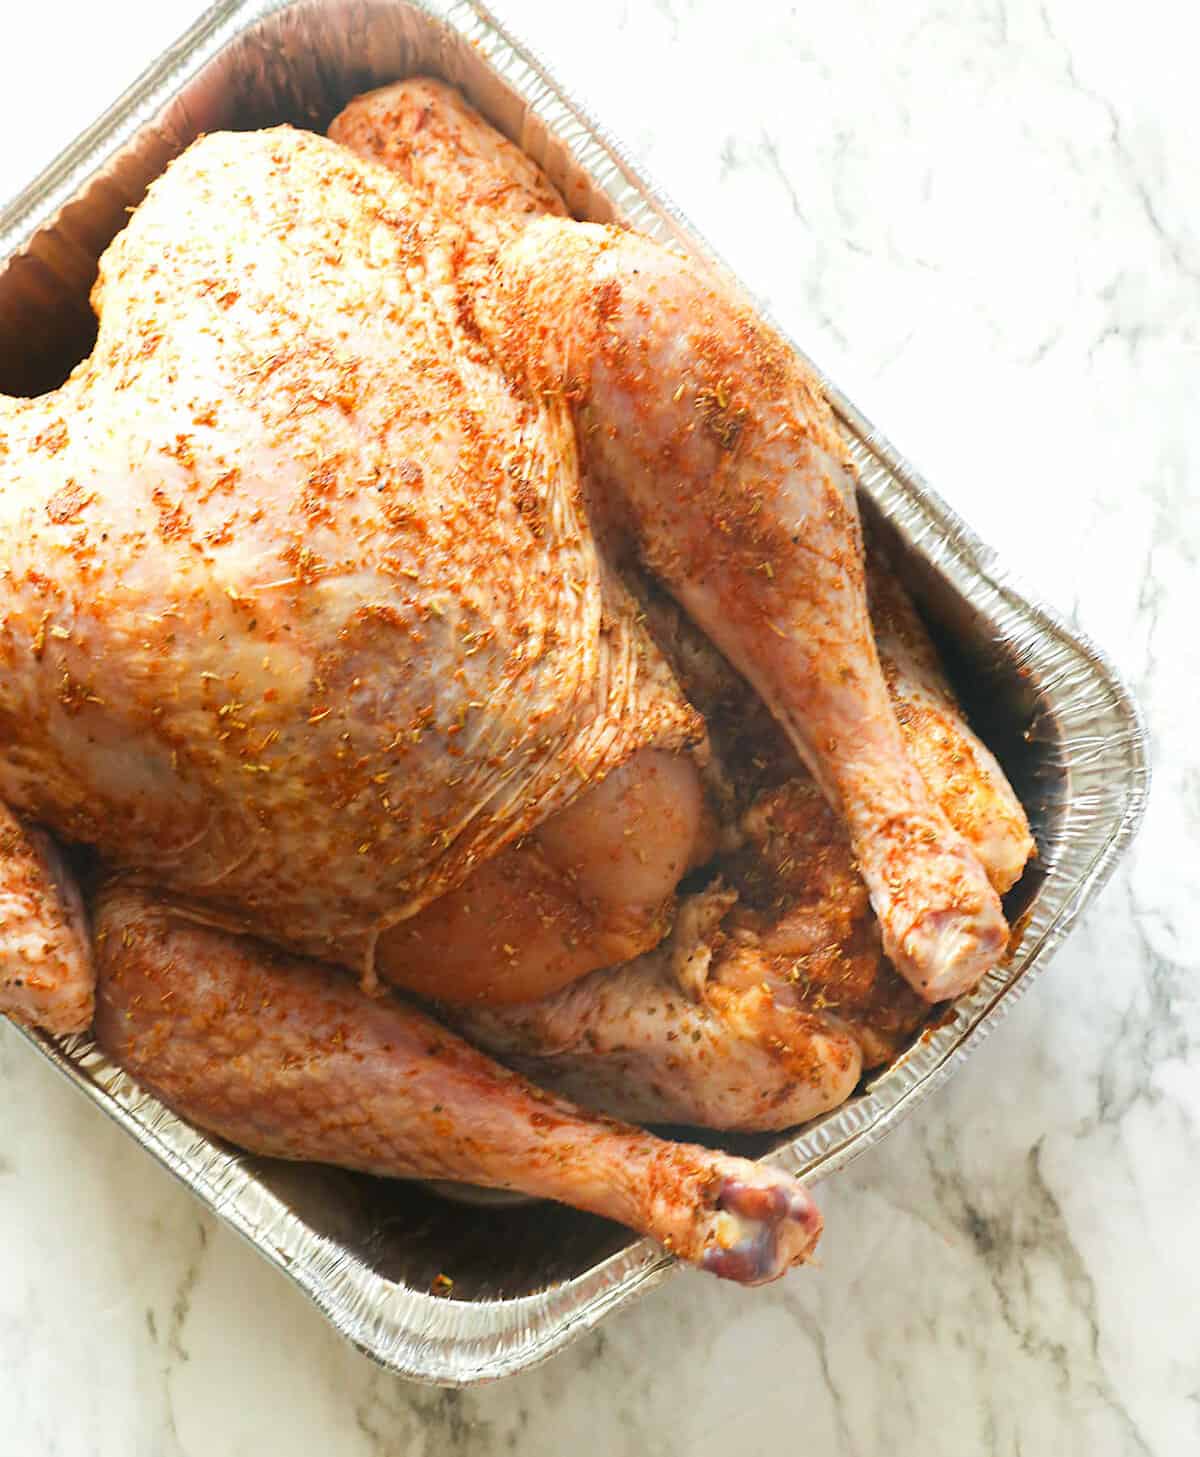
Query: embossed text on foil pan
{"points": [[527, 1279]]}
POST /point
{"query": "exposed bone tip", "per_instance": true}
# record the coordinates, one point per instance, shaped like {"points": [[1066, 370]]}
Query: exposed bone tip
{"points": [[761, 1230], [946, 954]]}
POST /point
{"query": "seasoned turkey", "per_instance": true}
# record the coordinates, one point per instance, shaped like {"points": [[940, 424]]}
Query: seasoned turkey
{"points": [[324, 623]]}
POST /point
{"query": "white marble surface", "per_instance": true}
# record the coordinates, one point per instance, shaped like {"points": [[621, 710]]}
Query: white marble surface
{"points": [[981, 219]]}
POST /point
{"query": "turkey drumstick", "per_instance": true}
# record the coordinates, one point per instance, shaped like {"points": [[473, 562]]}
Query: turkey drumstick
{"points": [[290, 1059], [726, 462]]}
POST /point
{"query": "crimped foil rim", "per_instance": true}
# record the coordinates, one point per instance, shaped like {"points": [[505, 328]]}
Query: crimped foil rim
{"points": [[458, 1343]]}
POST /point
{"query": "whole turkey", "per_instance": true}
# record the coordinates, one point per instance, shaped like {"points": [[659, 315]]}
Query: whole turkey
{"points": [[368, 600]]}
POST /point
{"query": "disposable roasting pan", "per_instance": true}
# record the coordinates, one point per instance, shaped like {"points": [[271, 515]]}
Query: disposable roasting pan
{"points": [[528, 1278]]}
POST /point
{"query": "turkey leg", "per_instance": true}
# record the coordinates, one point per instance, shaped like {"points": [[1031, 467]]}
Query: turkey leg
{"points": [[661, 1040], [290, 1059], [726, 462]]}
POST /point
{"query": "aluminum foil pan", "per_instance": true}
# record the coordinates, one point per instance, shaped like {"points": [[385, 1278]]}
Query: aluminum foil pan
{"points": [[527, 1279]]}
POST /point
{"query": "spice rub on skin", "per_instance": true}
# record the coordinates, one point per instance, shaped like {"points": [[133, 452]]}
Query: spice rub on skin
{"points": [[301, 617]]}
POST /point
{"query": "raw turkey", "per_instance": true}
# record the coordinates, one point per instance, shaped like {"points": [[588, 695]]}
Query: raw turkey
{"points": [[324, 623]]}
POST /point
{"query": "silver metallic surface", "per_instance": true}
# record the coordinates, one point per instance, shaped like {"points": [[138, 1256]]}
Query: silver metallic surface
{"points": [[526, 1279]]}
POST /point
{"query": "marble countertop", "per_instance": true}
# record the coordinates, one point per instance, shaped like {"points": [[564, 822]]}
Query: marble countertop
{"points": [[981, 220]]}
